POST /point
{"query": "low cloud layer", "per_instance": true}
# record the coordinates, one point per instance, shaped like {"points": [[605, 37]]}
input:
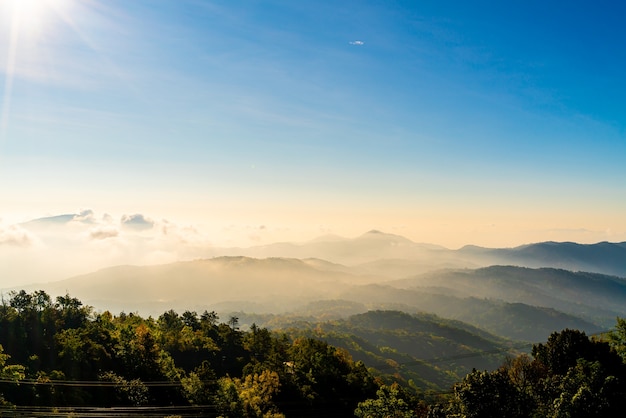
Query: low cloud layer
{"points": [[60, 246]]}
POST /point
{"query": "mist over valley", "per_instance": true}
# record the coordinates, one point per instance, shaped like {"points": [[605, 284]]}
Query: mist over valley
{"points": [[522, 293]]}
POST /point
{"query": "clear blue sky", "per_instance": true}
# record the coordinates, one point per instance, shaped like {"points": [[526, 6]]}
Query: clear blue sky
{"points": [[492, 123]]}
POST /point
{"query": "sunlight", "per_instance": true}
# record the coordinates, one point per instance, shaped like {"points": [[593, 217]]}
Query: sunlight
{"points": [[25, 23], [30, 17], [26, 15]]}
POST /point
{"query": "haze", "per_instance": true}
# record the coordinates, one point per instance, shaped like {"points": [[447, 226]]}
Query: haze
{"points": [[166, 129]]}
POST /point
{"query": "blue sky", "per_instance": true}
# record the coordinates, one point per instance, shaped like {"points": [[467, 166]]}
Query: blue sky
{"points": [[484, 122]]}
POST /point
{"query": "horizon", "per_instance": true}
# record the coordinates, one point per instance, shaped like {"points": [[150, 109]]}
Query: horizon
{"points": [[66, 245], [177, 126]]}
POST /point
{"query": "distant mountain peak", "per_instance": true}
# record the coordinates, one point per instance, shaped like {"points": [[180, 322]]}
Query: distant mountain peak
{"points": [[375, 233]]}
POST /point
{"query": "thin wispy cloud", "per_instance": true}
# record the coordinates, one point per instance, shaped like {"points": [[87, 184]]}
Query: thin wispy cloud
{"points": [[358, 43]]}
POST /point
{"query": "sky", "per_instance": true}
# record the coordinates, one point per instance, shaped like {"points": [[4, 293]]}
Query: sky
{"points": [[239, 123]]}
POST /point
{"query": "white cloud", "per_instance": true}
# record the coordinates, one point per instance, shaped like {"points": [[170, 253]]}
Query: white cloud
{"points": [[103, 232], [359, 43], [137, 222], [85, 216], [15, 236], [92, 242]]}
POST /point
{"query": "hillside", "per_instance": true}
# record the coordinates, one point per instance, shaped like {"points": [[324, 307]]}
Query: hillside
{"points": [[517, 321], [595, 297], [428, 351], [268, 285], [518, 303], [394, 256], [603, 257]]}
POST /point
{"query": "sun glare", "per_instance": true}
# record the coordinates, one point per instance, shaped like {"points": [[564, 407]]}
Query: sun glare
{"points": [[25, 14], [25, 24], [30, 17]]}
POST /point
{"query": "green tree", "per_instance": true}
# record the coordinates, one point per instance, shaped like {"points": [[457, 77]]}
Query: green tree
{"points": [[388, 404], [325, 376], [12, 372], [252, 396], [563, 349], [587, 390], [617, 338], [129, 392], [484, 394]]}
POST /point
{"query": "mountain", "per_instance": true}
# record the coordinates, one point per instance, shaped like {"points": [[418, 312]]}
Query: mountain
{"points": [[595, 297], [603, 257], [271, 284], [378, 271], [515, 302], [428, 351], [85, 216], [371, 246], [517, 321], [394, 256]]}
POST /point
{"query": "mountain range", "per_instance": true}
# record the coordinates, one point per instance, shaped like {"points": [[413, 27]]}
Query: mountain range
{"points": [[532, 290], [391, 255], [393, 303]]}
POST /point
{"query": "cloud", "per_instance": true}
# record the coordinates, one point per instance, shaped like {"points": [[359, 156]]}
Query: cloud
{"points": [[15, 236], [85, 216], [358, 43], [103, 233], [137, 222], [38, 251]]}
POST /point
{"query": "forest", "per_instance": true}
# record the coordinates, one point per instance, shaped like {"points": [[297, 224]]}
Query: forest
{"points": [[59, 357]]}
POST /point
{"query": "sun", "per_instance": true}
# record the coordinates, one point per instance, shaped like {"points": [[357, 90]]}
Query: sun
{"points": [[24, 27], [24, 13], [30, 17]]}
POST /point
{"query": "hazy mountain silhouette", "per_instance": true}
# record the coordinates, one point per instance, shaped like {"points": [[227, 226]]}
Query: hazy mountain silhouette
{"points": [[603, 257], [371, 246], [507, 300], [273, 284], [518, 321], [394, 256], [515, 302], [595, 297]]}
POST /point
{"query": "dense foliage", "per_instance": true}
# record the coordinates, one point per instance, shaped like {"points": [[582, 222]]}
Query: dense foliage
{"points": [[569, 376], [424, 352], [64, 354], [60, 353]]}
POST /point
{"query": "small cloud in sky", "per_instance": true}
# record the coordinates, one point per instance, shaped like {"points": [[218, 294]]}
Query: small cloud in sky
{"points": [[15, 236], [85, 216], [103, 233], [359, 43], [137, 222]]}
